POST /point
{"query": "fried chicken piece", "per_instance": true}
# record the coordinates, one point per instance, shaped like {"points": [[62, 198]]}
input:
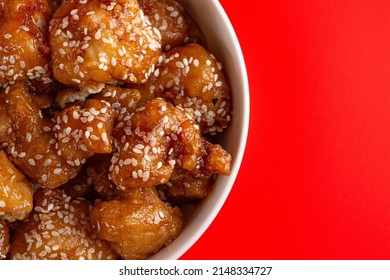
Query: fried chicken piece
{"points": [[97, 172], [27, 137], [192, 78], [99, 41], [149, 142], [137, 224], [122, 100], [171, 19], [24, 50], [4, 239], [83, 132], [16, 193], [168, 17], [156, 138], [183, 186], [58, 228]]}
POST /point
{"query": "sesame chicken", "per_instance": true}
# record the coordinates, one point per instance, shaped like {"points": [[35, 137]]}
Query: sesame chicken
{"points": [[58, 229], [168, 17], [183, 186], [24, 50], [99, 42], [123, 101], [83, 132], [28, 139], [149, 141], [4, 239], [137, 224], [156, 138], [191, 77], [16, 193]]}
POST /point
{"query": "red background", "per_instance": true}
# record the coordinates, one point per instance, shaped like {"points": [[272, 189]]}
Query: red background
{"points": [[315, 180]]}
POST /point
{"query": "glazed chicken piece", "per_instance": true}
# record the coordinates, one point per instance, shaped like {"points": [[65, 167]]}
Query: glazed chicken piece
{"points": [[58, 228], [192, 78], [24, 50], [156, 138], [83, 132], [122, 100], [16, 193], [137, 224], [4, 239], [168, 17], [27, 137], [183, 186], [97, 42], [171, 19]]}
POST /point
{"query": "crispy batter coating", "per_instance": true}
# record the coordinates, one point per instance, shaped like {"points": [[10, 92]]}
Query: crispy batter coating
{"points": [[16, 194], [183, 186], [171, 19], [156, 138], [137, 224], [122, 100], [24, 50], [83, 132], [4, 239], [99, 41], [97, 172], [58, 228], [149, 142], [192, 78], [27, 137], [168, 16]]}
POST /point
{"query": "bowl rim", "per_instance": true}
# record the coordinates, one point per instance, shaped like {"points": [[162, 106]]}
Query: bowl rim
{"points": [[184, 242]]}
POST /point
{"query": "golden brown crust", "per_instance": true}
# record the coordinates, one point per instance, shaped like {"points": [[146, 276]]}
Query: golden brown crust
{"points": [[98, 41], [137, 224], [24, 50], [29, 139], [83, 132], [168, 16], [149, 143], [192, 78], [183, 186], [16, 192], [58, 228]]}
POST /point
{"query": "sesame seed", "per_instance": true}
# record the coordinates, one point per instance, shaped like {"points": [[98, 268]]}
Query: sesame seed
{"points": [[7, 36], [28, 137], [179, 64], [98, 34], [31, 162], [57, 171]]}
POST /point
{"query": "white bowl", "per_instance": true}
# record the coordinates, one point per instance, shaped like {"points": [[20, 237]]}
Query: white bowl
{"points": [[223, 43]]}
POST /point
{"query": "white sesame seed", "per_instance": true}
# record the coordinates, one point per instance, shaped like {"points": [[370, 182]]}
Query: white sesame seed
{"points": [[7, 36], [179, 64], [57, 171], [98, 34]]}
